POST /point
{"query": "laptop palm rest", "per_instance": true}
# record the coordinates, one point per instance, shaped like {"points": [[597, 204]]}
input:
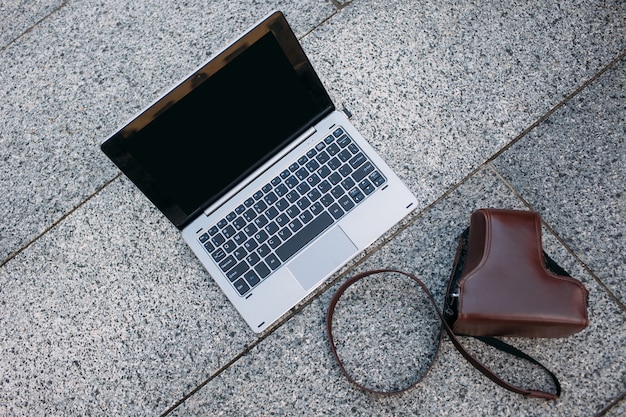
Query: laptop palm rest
{"points": [[322, 258]]}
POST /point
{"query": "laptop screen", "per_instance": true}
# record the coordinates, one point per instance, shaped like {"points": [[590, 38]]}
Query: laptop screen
{"points": [[221, 123]]}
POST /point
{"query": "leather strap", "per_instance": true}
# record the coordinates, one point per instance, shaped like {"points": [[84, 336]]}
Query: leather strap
{"points": [[498, 344]]}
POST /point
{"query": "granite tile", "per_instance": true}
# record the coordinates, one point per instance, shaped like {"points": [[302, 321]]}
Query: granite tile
{"points": [[69, 82], [18, 16], [618, 409], [110, 313], [438, 88], [387, 339], [572, 168]]}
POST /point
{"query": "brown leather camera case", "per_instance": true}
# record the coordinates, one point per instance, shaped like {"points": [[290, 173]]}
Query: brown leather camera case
{"points": [[505, 288]]}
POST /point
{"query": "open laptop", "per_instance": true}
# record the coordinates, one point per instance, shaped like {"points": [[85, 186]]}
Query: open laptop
{"points": [[273, 188]]}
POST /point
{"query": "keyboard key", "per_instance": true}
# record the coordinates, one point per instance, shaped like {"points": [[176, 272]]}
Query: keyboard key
{"points": [[312, 165], [346, 203], [250, 245], [303, 188], [357, 160], [260, 206], [317, 208], [239, 223], [252, 278], [282, 204], [284, 233], [281, 190], [334, 163], [271, 228], [327, 200], [282, 220], [322, 157], [305, 216], [336, 211], [239, 253], [249, 215], [261, 236], [229, 246], [218, 239], [314, 194], [241, 286], [204, 237], [313, 180], [293, 211], [270, 198], [295, 225], [227, 263], [362, 171], [237, 271], [332, 149], [209, 247], [344, 155], [324, 171], [273, 242], [263, 251], [303, 203], [261, 221], [348, 183], [377, 179], [344, 141], [262, 269], [324, 186], [218, 254], [272, 261], [291, 181], [250, 229], [302, 173], [239, 238], [252, 259], [271, 213], [356, 195], [304, 236], [293, 196], [338, 132], [366, 186], [228, 231], [334, 178]]}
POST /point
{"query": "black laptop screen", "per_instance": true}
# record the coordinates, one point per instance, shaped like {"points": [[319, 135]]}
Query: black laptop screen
{"points": [[204, 140]]}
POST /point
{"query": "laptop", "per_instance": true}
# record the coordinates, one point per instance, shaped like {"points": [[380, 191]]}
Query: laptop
{"points": [[274, 189]]}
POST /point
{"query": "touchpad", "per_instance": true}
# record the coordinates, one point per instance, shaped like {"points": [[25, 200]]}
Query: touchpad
{"points": [[322, 257]]}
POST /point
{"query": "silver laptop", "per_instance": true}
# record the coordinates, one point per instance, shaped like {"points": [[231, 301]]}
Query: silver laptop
{"points": [[273, 188]]}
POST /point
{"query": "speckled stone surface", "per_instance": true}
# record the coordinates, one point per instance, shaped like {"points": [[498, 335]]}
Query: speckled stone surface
{"points": [[105, 311], [111, 314], [581, 189], [385, 331], [19, 16], [81, 73]]}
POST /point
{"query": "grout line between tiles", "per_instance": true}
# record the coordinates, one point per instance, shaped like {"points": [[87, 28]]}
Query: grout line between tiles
{"points": [[30, 28], [560, 240], [612, 404], [56, 222]]}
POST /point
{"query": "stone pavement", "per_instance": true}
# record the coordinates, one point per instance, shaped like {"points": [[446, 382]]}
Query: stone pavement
{"points": [[105, 311]]}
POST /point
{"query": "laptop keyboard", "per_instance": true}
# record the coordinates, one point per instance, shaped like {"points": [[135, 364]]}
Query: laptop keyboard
{"points": [[284, 215]]}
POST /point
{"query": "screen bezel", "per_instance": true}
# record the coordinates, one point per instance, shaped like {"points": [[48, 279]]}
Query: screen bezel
{"points": [[114, 147]]}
